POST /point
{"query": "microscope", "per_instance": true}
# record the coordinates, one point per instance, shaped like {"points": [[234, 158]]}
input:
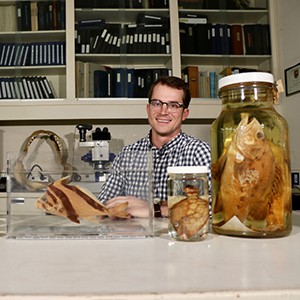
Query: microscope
{"points": [[98, 157]]}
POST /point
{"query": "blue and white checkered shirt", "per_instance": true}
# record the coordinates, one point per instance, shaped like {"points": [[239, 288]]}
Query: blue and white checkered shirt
{"points": [[131, 170]]}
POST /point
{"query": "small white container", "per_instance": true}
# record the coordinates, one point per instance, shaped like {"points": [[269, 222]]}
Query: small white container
{"points": [[188, 202]]}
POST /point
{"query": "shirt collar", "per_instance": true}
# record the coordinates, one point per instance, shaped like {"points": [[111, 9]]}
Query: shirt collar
{"points": [[169, 145]]}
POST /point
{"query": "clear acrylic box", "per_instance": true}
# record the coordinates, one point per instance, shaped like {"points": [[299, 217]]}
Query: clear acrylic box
{"points": [[25, 221]]}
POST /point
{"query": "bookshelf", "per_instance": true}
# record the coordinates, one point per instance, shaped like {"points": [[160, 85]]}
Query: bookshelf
{"points": [[63, 77]]}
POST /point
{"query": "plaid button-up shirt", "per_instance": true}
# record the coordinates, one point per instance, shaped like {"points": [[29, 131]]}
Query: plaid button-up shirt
{"points": [[133, 172]]}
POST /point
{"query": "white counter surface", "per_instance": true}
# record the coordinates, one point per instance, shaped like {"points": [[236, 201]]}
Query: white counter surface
{"points": [[154, 268]]}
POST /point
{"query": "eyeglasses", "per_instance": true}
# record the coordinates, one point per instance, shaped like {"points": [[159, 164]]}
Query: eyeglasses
{"points": [[156, 104]]}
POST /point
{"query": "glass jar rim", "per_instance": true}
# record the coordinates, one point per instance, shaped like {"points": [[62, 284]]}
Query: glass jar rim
{"points": [[187, 169], [246, 78]]}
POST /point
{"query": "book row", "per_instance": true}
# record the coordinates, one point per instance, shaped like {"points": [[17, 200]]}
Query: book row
{"points": [[236, 39], [205, 84], [32, 54], [122, 4], [94, 80], [40, 15], [144, 36], [202, 84], [32, 87]]}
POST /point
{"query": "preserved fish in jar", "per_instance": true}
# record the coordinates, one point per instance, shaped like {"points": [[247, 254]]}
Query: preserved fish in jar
{"points": [[250, 160]]}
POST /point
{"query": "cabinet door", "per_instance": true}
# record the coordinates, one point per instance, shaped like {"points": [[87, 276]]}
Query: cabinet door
{"points": [[32, 50], [120, 49]]}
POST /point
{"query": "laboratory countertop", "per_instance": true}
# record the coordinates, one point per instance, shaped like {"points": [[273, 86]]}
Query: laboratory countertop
{"points": [[220, 267]]}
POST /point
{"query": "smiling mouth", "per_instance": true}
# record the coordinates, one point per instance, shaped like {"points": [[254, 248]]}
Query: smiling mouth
{"points": [[163, 120]]}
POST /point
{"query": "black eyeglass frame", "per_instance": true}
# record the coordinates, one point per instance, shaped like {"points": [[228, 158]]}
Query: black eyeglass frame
{"points": [[180, 105]]}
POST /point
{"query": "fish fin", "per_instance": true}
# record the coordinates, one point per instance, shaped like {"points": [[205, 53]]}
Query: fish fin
{"points": [[217, 168]]}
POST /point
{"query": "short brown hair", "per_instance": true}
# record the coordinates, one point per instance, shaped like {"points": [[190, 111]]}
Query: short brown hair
{"points": [[173, 82]]}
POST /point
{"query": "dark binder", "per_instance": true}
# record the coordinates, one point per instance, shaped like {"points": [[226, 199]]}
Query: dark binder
{"points": [[61, 15], [191, 76], [187, 38], [216, 39], [236, 39], [100, 83], [225, 38], [266, 39], [130, 83], [202, 33], [42, 15], [26, 16], [252, 37], [19, 14], [120, 82]]}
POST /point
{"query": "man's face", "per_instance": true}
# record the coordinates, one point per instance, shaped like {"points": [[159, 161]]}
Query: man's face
{"points": [[163, 122]]}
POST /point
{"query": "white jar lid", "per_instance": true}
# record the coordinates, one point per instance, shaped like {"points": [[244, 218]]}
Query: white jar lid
{"points": [[246, 77], [187, 170]]}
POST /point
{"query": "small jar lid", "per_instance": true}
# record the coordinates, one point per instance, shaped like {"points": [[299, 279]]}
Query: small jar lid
{"points": [[187, 170], [246, 77]]}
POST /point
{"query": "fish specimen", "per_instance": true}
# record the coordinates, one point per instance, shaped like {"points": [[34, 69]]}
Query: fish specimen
{"points": [[189, 215], [75, 203], [252, 177]]}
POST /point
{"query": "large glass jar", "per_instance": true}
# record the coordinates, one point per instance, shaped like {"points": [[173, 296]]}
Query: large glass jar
{"points": [[250, 160]]}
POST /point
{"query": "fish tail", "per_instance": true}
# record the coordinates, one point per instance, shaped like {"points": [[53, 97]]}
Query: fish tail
{"points": [[119, 211]]}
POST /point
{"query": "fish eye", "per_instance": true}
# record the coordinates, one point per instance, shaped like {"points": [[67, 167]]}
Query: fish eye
{"points": [[260, 135]]}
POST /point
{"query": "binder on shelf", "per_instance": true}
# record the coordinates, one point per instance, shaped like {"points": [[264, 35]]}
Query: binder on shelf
{"points": [[48, 88], [12, 55], [17, 89], [61, 15], [187, 38], [144, 18], [191, 77], [204, 84], [8, 20], [11, 88], [120, 82], [19, 15], [236, 38], [42, 15], [21, 88], [192, 18], [7, 53], [253, 39], [216, 38], [34, 15], [100, 83], [130, 82], [225, 39], [202, 34], [266, 39], [158, 3], [26, 15], [49, 13], [2, 53], [25, 87], [196, 4]]}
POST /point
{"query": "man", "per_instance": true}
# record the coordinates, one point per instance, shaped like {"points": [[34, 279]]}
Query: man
{"points": [[167, 108]]}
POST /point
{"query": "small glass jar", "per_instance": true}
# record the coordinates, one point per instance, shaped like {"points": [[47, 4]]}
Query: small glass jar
{"points": [[250, 160], [188, 202]]}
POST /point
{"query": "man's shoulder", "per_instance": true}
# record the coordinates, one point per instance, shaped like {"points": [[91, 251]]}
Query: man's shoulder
{"points": [[141, 144], [191, 140]]}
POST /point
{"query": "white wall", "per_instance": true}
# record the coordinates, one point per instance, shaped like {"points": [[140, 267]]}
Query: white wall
{"points": [[289, 41]]}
